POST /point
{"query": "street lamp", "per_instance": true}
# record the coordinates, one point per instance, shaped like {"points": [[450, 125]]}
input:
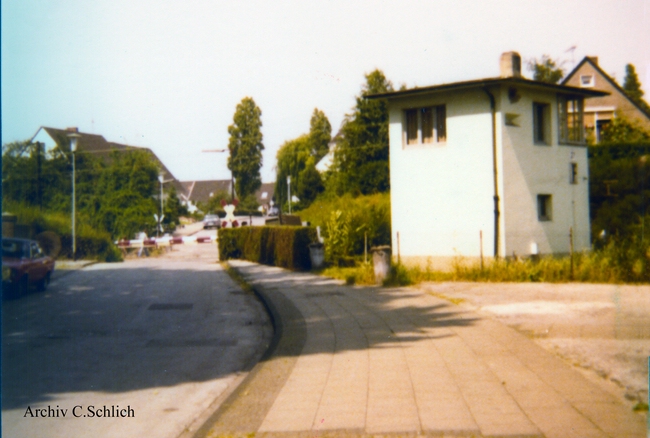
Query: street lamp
{"points": [[162, 181], [74, 139], [289, 189]]}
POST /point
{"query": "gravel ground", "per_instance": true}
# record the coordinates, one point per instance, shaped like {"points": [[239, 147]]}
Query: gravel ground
{"points": [[603, 330]]}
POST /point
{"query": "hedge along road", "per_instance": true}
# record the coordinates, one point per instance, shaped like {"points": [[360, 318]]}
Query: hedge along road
{"points": [[155, 340]]}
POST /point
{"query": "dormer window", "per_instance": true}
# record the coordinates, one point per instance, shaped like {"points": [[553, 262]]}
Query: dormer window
{"points": [[587, 81], [426, 125]]}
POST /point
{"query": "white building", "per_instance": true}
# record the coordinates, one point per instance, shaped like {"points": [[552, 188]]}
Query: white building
{"points": [[494, 166]]}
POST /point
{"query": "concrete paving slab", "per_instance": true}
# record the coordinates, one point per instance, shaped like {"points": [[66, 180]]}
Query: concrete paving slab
{"points": [[400, 362]]}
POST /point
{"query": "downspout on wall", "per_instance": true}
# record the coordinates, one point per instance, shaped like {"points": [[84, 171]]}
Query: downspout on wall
{"points": [[495, 171]]}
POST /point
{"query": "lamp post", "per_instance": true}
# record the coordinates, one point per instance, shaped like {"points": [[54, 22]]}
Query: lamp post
{"points": [[74, 139], [289, 189]]}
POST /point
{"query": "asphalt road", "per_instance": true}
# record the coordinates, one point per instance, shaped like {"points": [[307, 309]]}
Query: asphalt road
{"points": [[160, 337]]}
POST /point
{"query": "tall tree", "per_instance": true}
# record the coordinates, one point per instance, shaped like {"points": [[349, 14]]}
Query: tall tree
{"points": [[361, 157], [632, 87], [320, 134], [295, 159], [546, 69], [245, 145]]}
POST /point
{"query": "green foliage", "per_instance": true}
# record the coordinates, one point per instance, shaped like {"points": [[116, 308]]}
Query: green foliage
{"points": [[337, 244], [295, 159], [124, 202], [621, 130], [283, 246], [619, 190], [90, 242], [245, 145], [632, 87], [320, 134], [367, 216], [361, 155], [298, 158], [546, 69], [173, 209]]}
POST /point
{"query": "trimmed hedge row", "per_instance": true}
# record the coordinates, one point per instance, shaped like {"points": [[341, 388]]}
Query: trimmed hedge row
{"points": [[283, 246]]}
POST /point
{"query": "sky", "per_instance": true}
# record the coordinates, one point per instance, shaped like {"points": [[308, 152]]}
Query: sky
{"points": [[168, 75]]}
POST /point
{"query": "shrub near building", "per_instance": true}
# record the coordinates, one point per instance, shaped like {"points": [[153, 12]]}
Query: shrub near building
{"points": [[283, 246]]}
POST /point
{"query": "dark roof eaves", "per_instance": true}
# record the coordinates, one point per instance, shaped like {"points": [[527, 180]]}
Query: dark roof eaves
{"points": [[487, 82]]}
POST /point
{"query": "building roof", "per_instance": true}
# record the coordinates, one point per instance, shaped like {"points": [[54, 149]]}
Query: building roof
{"points": [[97, 144], [202, 191], [593, 61], [489, 82]]}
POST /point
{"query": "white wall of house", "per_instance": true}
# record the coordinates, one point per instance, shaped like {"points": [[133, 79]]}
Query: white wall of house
{"points": [[532, 168], [441, 193], [43, 137]]}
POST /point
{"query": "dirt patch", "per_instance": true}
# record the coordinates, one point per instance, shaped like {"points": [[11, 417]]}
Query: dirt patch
{"points": [[602, 330]]}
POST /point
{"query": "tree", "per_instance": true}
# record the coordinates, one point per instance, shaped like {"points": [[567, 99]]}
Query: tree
{"points": [[320, 134], [632, 87], [295, 159], [546, 69], [361, 156], [621, 130], [245, 145], [124, 201]]}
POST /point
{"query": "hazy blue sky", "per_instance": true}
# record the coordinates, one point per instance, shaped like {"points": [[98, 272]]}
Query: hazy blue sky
{"points": [[169, 74]]}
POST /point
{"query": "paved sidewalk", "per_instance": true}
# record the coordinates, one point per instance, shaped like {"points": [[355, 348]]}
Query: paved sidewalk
{"points": [[358, 361]]}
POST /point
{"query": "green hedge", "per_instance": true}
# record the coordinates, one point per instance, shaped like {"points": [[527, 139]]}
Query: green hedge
{"points": [[283, 246]]}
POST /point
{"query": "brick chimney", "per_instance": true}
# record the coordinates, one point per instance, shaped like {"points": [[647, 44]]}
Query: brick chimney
{"points": [[510, 65], [73, 129]]}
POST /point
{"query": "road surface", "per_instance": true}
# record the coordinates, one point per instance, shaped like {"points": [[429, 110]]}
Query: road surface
{"points": [[140, 348]]}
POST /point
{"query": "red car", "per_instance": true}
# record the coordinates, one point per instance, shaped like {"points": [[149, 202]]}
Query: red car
{"points": [[24, 264]]}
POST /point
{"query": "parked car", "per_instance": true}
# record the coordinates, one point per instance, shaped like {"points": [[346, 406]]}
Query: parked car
{"points": [[24, 264], [211, 221]]}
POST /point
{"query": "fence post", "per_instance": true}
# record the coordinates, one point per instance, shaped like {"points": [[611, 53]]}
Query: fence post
{"points": [[571, 250]]}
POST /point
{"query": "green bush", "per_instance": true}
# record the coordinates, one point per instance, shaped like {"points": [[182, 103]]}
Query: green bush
{"points": [[283, 246], [366, 215], [90, 242]]}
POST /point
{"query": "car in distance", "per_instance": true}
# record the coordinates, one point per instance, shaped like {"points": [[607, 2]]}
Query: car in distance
{"points": [[211, 221], [24, 264]]}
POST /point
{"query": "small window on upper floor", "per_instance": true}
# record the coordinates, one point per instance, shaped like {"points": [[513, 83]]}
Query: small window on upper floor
{"points": [[541, 123], [587, 81], [426, 125]]}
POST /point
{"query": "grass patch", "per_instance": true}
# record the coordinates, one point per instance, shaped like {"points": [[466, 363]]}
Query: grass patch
{"points": [[613, 264]]}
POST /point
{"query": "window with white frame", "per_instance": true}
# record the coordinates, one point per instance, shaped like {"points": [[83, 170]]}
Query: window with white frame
{"points": [[570, 120], [587, 81], [425, 125]]}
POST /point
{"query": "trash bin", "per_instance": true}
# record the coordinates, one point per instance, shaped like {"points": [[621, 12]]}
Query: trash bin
{"points": [[381, 262], [316, 254]]}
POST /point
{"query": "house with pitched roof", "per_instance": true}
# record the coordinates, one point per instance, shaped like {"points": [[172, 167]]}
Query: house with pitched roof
{"points": [[600, 110], [52, 138], [495, 166], [202, 191]]}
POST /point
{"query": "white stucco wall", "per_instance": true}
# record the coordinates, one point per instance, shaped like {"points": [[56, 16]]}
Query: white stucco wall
{"points": [[441, 193], [530, 169]]}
